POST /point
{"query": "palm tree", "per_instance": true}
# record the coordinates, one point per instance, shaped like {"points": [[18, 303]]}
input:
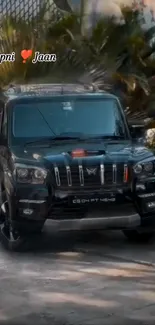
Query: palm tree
{"points": [[129, 45], [40, 35], [118, 57]]}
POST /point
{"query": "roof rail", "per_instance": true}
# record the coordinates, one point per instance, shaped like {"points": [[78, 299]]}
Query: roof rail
{"points": [[61, 88], [89, 86], [95, 88]]}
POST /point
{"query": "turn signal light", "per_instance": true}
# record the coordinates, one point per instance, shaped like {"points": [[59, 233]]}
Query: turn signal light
{"points": [[78, 153], [126, 174]]}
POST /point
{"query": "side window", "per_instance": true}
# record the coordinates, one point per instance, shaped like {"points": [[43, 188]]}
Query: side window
{"points": [[4, 124]]}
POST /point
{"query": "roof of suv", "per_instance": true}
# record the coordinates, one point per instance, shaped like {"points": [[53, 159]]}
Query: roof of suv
{"points": [[48, 90]]}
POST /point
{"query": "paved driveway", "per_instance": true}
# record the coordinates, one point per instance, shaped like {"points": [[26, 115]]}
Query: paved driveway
{"points": [[79, 280]]}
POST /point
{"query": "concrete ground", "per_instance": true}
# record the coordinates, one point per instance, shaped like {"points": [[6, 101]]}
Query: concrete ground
{"points": [[80, 280]]}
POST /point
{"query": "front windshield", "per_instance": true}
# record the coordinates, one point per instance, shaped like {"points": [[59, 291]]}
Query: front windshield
{"points": [[93, 117]]}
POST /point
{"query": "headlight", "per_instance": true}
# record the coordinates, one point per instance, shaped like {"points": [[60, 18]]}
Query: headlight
{"points": [[148, 167], [144, 168], [22, 172], [137, 168], [29, 174]]}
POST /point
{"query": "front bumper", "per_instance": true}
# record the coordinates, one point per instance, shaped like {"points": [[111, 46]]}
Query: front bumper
{"points": [[120, 214], [91, 217], [115, 217]]}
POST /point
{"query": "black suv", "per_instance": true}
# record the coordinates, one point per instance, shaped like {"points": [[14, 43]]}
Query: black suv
{"points": [[66, 154]]}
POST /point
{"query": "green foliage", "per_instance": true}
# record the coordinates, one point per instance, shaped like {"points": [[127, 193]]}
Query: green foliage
{"points": [[112, 54]]}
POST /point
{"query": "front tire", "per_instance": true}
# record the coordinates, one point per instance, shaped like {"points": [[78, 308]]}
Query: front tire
{"points": [[136, 236], [12, 238]]}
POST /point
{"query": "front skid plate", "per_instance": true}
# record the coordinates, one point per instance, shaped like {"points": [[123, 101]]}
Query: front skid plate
{"points": [[97, 220]]}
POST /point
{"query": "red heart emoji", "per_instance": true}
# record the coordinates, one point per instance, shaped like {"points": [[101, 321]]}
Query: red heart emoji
{"points": [[26, 54]]}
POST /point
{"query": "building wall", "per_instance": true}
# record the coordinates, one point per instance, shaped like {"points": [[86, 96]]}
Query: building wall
{"points": [[97, 8], [93, 8], [25, 8]]}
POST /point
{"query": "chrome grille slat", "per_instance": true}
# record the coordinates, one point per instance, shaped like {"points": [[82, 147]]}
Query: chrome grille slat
{"points": [[102, 173], [81, 175], [125, 172], [57, 176], [114, 173], [69, 176]]}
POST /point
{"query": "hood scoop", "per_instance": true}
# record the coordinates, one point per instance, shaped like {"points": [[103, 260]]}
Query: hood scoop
{"points": [[96, 152], [81, 153]]}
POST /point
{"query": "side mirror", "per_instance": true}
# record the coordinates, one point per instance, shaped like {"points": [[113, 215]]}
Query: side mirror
{"points": [[137, 131], [151, 113]]}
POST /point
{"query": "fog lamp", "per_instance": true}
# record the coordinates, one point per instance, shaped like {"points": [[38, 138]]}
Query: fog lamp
{"points": [[151, 205], [28, 211], [140, 186]]}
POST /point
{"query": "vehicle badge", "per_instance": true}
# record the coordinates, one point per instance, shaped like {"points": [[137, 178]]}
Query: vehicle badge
{"points": [[91, 171]]}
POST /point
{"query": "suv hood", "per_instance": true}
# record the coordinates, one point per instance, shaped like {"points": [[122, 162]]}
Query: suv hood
{"points": [[117, 151]]}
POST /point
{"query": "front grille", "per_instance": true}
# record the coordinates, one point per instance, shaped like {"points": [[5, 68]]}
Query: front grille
{"points": [[67, 213], [91, 176]]}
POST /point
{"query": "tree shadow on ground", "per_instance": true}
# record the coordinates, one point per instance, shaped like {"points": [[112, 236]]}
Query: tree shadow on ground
{"points": [[59, 282]]}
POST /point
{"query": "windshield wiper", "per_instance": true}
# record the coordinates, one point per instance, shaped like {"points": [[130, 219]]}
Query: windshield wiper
{"points": [[109, 137], [53, 139], [82, 138]]}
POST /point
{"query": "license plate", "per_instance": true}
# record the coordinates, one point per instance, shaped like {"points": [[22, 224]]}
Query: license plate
{"points": [[94, 199]]}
